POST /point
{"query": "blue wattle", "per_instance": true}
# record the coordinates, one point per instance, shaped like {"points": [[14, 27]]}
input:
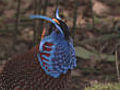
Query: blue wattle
{"points": [[62, 56]]}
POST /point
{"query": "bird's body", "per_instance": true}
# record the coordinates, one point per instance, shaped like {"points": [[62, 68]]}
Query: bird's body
{"points": [[45, 67], [24, 72]]}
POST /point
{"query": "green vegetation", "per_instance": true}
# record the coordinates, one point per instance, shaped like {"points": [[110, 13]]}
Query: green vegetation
{"points": [[109, 86]]}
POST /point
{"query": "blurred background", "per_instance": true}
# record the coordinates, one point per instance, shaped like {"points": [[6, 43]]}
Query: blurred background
{"points": [[95, 28]]}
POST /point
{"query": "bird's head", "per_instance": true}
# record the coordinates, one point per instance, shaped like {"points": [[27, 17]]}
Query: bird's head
{"points": [[56, 52], [57, 25]]}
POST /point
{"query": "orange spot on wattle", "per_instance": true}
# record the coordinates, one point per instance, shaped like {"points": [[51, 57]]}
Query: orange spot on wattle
{"points": [[56, 21]]}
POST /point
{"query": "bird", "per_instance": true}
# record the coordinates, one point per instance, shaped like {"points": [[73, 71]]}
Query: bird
{"points": [[48, 65]]}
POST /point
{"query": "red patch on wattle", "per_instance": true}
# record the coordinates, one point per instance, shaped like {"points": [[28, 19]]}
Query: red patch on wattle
{"points": [[50, 70], [46, 48], [44, 63], [42, 58], [49, 44], [46, 54], [46, 67]]}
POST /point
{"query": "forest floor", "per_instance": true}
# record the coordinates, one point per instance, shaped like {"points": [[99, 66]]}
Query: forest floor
{"points": [[89, 71]]}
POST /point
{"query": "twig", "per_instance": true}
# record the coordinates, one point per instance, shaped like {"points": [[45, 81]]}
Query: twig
{"points": [[35, 22], [45, 7], [93, 21], [18, 16], [39, 4], [57, 5], [42, 22], [17, 23], [39, 9], [117, 64], [74, 18]]}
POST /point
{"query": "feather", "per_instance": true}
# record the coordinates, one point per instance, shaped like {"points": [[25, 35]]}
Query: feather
{"points": [[56, 55]]}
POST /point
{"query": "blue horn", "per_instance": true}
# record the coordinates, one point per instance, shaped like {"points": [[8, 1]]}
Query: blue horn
{"points": [[48, 19], [57, 14]]}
